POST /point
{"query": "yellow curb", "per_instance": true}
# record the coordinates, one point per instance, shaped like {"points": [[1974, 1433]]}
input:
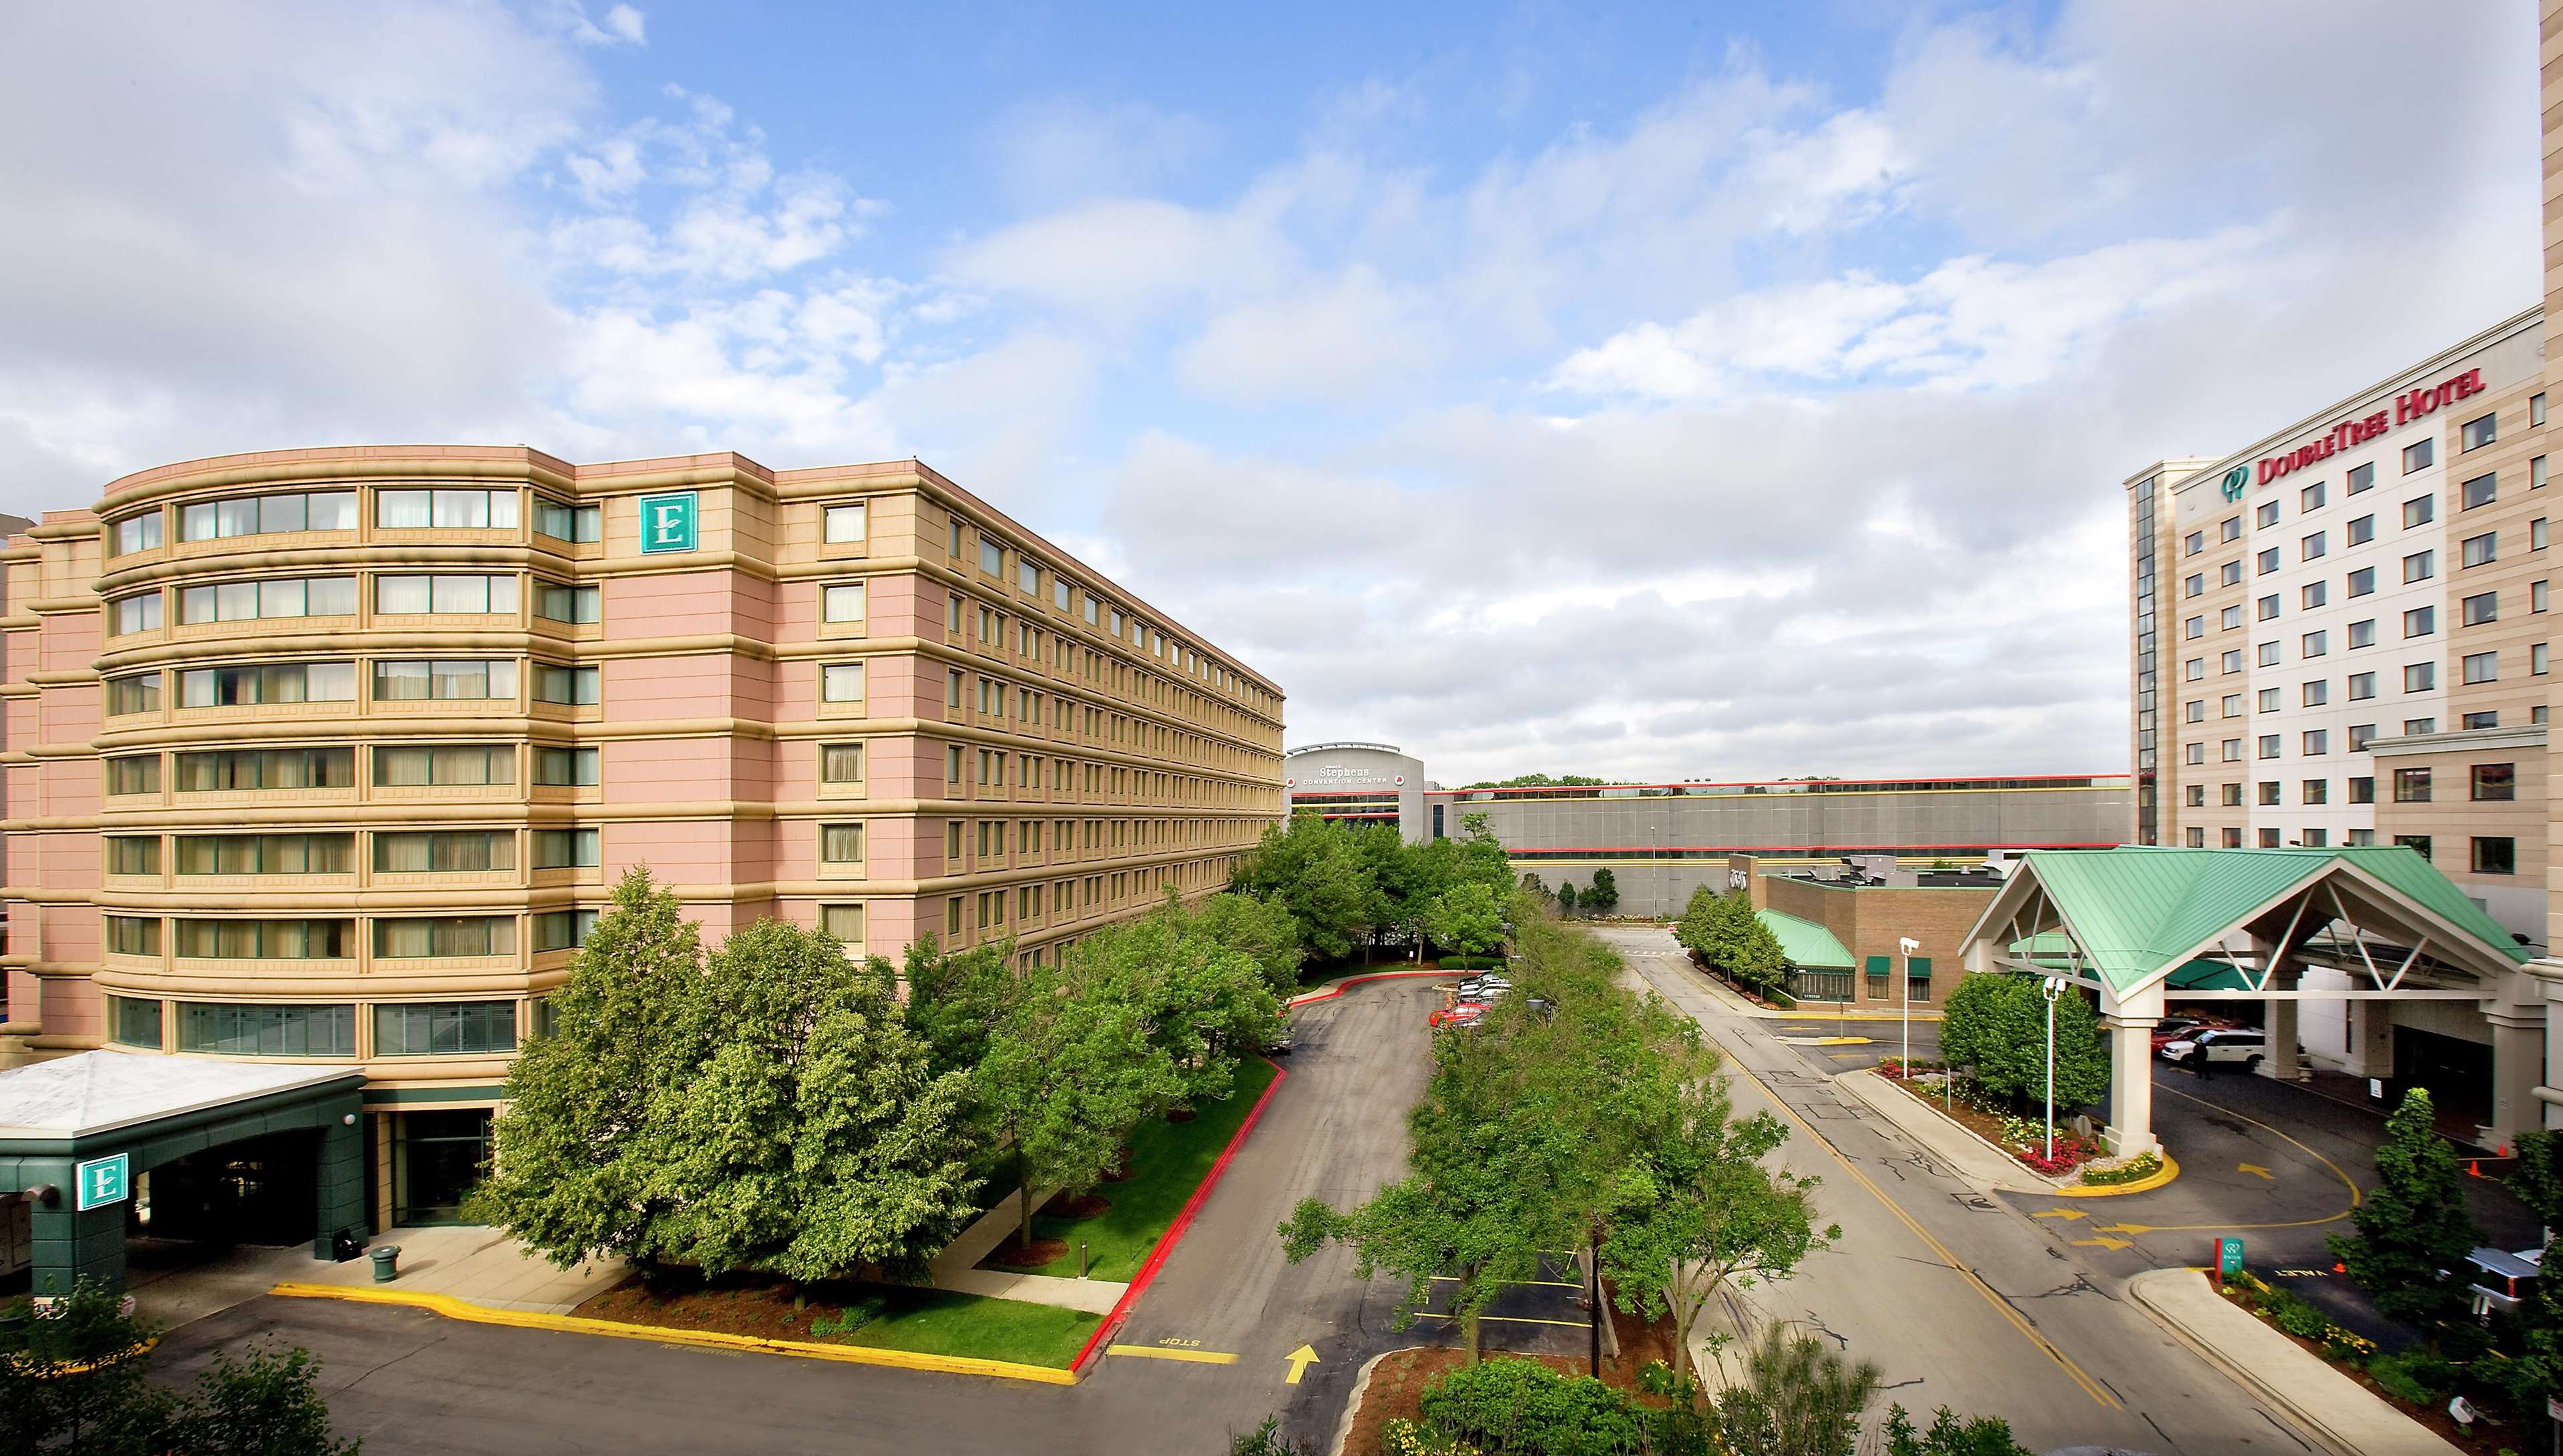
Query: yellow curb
{"points": [[455, 1309], [2169, 1171], [37, 1369]]}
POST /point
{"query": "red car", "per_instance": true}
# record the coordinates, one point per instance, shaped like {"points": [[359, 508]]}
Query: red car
{"points": [[1460, 1015], [2172, 1028]]}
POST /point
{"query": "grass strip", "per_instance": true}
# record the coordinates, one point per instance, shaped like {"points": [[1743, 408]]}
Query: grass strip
{"points": [[1170, 1161]]}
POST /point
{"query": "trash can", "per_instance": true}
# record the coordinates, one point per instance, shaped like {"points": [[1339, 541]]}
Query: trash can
{"points": [[386, 1259]]}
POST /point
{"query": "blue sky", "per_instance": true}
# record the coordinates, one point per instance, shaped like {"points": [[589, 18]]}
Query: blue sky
{"points": [[1732, 390]]}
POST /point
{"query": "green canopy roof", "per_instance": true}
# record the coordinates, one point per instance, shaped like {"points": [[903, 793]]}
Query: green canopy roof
{"points": [[2137, 908], [1808, 947]]}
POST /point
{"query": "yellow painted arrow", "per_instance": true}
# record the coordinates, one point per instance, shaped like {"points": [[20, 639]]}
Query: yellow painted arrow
{"points": [[2122, 1228], [2058, 1213], [2253, 1168], [1301, 1359], [2102, 1242]]}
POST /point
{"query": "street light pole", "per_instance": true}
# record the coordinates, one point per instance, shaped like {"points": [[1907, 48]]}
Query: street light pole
{"points": [[1904, 950], [2053, 987]]}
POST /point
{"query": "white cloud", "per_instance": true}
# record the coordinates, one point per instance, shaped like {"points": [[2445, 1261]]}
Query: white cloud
{"points": [[1063, 148], [1350, 341]]}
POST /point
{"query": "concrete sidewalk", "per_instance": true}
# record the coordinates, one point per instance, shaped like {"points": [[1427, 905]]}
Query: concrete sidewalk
{"points": [[956, 1268], [1973, 1159], [474, 1264], [2335, 1410]]}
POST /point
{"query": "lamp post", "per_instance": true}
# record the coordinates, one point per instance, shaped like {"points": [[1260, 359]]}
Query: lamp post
{"points": [[2053, 987], [1904, 949]]}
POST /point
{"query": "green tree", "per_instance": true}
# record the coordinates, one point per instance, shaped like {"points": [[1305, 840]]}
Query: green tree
{"points": [[1604, 895], [2538, 1319], [1202, 1002], [1797, 1399], [1468, 919], [1314, 869], [2413, 1230], [1066, 1076], [262, 1403], [1950, 1435], [954, 997], [1695, 926], [1735, 942], [812, 1138], [1566, 898], [579, 1153], [1996, 1024], [1261, 928]]}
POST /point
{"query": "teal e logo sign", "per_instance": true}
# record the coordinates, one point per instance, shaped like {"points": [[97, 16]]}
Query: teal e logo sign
{"points": [[103, 1182], [668, 523], [2236, 480]]}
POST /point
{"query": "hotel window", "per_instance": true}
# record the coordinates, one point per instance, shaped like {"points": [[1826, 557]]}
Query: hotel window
{"points": [[2229, 574], [2317, 741], [952, 614], [138, 614], [2314, 791], [1059, 591], [2310, 498], [2360, 736], [2480, 490], [2482, 607], [2536, 408], [2536, 474], [2477, 433], [2230, 529], [952, 764], [2360, 478], [2419, 455], [2197, 710], [2481, 667], [844, 925], [2536, 597], [460, 595], [2360, 531], [566, 849], [840, 682], [2267, 515], [137, 1022], [992, 558], [2233, 705], [2419, 566], [133, 533], [955, 548], [2197, 837], [444, 1028], [241, 601], [1092, 608], [842, 603], [1027, 576], [556, 603], [2481, 551], [564, 930], [267, 854], [277, 939], [253, 769], [2266, 655], [2195, 796], [2494, 782], [454, 681], [2411, 786], [2414, 727], [267, 515], [841, 844], [301, 681], [843, 524], [2361, 686], [133, 854], [2314, 838], [446, 510], [2315, 643], [565, 767], [2266, 791], [2268, 745], [2317, 692], [2268, 839], [2311, 548], [2266, 562], [133, 934], [2495, 855], [2268, 606], [2536, 658], [2420, 621], [2194, 627], [136, 773], [2419, 511], [455, 765], [2313, 594], [2362, 789], [568, 523], [2536, 534], [2362, 581], [456, 851], [2473, 721], [571, 687], [2231, 619], [841, 763], [2419, 677], [267, 1031], [2196, 585], [411, 938], [2232, 837], [2232, 797]]}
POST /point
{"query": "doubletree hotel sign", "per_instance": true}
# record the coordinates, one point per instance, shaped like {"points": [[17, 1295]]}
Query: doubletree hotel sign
{"points": [[2411, 404]]}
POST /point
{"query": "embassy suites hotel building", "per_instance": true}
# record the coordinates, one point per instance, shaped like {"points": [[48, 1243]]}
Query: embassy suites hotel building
{"points": [[332, 755], [2341, 631]]}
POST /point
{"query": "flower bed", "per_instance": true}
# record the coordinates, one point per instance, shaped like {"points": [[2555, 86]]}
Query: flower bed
{"points": [[2128, 1171], [2390, 1378], [1971, 1107]]}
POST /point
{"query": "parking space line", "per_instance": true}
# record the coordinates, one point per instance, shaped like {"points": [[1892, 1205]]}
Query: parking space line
{"points": [[1509, 1283], [1195, 1357], [1507, 1320]]}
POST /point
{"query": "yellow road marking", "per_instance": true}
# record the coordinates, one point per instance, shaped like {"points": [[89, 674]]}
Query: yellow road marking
{"points": [[2058, 1213], [1507, 1319], [2029, 1331], [1195, 1357], [2355, 1196], [2102, 1242], [1300, 1358], [1827, 1041], [2255, 1168]]}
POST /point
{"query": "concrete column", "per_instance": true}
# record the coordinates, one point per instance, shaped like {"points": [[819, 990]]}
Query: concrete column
{"points": [[2281, 1060], [2517, 1057], [2132, 1083], [72, 1245], [338, 1176]]}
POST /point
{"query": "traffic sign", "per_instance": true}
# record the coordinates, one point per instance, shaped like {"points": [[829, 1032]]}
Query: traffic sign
{"points": [[102, 1181], [2228, 1256]]}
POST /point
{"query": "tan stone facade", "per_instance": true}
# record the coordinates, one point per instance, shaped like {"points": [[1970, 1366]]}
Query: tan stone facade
{"points": [[331, 754]]}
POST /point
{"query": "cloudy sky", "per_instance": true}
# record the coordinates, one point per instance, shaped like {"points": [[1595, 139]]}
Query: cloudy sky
{"points": [[1714, 391]]}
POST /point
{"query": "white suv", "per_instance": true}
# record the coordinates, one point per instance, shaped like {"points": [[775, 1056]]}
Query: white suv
{"points": [[2246, 1045]]}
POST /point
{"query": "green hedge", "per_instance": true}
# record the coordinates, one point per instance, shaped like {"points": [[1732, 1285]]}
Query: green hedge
{"points": [[1508, 1407], [1473, 962]]}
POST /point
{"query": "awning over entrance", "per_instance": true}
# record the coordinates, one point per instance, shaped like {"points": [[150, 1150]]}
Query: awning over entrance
{"points": [[77, 1130], [1808, 945]]}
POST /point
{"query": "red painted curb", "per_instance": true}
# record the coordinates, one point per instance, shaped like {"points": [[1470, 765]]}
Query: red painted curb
{"points": [[1175, 1231], [1340, 988]]}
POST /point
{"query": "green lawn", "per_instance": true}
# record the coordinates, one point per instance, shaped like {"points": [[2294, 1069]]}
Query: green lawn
{"points": [[938, 1321], [1170, 1159]]}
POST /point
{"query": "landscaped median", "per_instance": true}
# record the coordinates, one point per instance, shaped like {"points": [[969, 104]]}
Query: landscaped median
{"points": [[2078, 1168]]}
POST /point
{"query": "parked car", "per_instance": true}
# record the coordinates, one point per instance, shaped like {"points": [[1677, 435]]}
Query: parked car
{"points": [[2247, 1045], [2506, 1277], [1485, 978], [1478, 996], [1278, 1042], [2172, 1028], [1460, 1015]]}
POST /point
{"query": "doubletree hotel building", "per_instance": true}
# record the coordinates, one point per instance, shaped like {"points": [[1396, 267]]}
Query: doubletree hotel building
{"points": [[2340, 631], [331, 756]]}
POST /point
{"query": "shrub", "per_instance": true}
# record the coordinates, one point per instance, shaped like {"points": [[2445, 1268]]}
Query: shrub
{"points": [[1508, 1407], [2291, 1315], [2417, 1377], [1473, 962], [2142, 1165], [852, 1317], [1268, 1440]]}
